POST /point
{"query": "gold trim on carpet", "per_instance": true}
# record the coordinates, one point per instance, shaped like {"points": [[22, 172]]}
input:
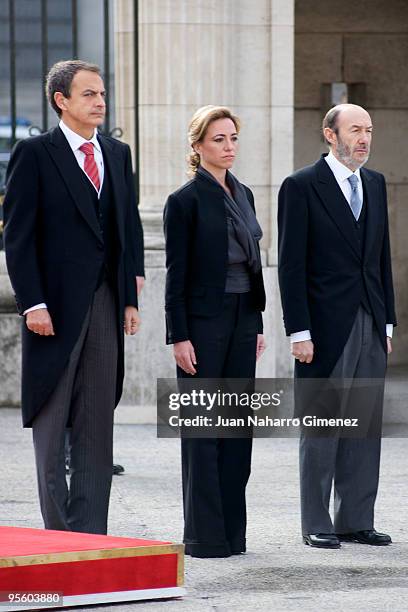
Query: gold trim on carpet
{"points": [[180, 566], [93, 555]]}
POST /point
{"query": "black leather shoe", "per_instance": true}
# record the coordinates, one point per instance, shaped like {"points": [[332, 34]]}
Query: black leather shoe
{"points": [[118, 469], [368, 536], [322, 540]]}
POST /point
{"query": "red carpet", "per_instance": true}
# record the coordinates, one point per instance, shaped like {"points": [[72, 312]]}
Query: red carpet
{"points": [[85, 568]]}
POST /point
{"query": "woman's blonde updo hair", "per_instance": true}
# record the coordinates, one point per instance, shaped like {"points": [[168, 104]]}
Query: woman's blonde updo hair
{"points": [[198, 128]]}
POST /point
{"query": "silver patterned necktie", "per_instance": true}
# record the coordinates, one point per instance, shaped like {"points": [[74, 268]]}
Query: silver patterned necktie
{"points": [[355, 201]]}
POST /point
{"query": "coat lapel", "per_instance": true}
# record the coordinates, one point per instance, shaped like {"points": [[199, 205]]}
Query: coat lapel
{"points": [[63, 157], [372, 199], [335, 203], [114, 166], [212, 200]]}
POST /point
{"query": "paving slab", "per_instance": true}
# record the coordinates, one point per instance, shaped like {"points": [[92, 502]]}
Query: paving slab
{"points": [[279, 573]]}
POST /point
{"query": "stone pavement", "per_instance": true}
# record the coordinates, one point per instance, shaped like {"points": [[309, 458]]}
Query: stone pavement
{"points": [[278, 573]]}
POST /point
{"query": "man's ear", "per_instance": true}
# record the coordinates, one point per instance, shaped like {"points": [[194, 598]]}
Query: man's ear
{"points": [[59, 100], [330, 135]]}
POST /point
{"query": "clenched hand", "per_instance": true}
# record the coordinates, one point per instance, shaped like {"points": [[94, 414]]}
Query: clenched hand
{"points": [[132, 320], [303, 351], [39, 322]]}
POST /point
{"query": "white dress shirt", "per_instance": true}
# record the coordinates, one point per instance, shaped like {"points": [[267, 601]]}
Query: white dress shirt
{"points": [[341, 174], [75, 141]]}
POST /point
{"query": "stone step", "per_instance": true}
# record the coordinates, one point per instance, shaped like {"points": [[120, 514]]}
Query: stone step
{"points": [[396, 396], [7, 302]]}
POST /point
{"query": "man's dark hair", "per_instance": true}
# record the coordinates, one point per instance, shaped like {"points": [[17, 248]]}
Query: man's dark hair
{"points": [[330, 121], [60, 79]]}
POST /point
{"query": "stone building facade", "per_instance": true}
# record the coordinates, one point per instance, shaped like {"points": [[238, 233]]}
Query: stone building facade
{"points": [[279, 64]]}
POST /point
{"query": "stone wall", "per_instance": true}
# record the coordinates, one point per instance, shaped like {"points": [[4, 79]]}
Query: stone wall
{"points": [[242, 54], [10, 344], [192, 53], [361, 42], [147, 356], [234, 53]]}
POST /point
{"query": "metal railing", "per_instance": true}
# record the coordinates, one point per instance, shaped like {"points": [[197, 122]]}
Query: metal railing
{"points": [[14, 129], [44, 46]]}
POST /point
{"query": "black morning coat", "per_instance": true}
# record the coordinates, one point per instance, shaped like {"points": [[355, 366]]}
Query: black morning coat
{"points": [[322, 270], [54, 250], [195, 227]]}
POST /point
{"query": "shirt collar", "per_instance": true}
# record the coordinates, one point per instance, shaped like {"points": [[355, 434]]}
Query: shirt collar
{"points": [[75, 140], [340, 171]]}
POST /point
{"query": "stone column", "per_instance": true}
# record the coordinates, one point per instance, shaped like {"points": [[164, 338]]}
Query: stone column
{"points": [[282, 105], [124, 41], [192, 53], [281, 114]]}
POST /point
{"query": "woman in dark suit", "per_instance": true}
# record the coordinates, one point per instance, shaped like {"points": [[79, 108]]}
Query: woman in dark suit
{"points": [[214, 298]]}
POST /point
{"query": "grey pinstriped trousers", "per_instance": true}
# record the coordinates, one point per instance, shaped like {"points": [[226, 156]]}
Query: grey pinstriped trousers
{"points": [[85, 395], [351, 465]]}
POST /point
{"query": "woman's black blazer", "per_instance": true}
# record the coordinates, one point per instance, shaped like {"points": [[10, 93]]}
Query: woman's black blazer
{"points": [[195, 228]]}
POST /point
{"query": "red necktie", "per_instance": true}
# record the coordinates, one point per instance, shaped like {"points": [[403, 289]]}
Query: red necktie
{"points": [[90, 166]]}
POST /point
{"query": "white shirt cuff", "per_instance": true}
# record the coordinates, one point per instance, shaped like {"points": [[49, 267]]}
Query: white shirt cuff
{"points": [[305, 335], [36, 307], [300, 336]]}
